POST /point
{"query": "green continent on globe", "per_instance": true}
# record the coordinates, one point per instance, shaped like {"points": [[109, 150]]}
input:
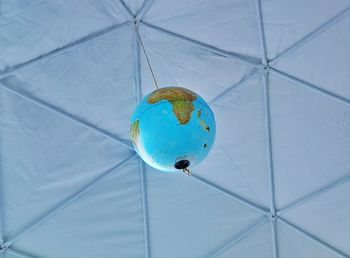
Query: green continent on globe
{"points": [[181, 100], [134, 132], [202, 123]]}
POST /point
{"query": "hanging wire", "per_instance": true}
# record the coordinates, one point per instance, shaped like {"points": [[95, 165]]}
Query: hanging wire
{"points": [[185, 170], [148, 62]]}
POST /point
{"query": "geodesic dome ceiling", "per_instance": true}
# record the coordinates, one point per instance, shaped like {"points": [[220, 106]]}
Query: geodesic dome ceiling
{"points": [[277, 76]]}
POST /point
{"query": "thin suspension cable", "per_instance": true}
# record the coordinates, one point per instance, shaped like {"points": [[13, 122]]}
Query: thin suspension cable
{"points": [[148, 62]]}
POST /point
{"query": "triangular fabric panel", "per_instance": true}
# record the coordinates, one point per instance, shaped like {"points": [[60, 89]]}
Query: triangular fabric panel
{"points": [[30, 29], [292, 244], [178, 63], [108, 217], [257, 244], [135, 5], [189, 219], [323, 57], [232, 24], [311, 139], [45, 159], [86, 81], [240, 143], [332, 225], [288, 21]]}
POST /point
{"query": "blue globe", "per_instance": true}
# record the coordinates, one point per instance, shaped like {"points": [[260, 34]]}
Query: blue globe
{"points": [[172, 129]]}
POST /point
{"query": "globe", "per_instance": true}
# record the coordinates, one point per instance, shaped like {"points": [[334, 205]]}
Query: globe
{"points": [[172, 129]]}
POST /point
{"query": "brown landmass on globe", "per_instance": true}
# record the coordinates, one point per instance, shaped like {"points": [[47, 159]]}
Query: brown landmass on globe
{"points": [[134, 132], [202, 123], [181, 100]]}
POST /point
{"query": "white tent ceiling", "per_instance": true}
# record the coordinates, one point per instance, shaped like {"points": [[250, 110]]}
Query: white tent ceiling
{"points": [[277, 182]]}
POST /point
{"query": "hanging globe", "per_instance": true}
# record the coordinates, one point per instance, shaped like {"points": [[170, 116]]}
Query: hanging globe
{"points": [[172, 129]]}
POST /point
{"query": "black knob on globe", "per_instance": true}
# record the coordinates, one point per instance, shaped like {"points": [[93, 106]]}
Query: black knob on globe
{"points": [[182, 164]]}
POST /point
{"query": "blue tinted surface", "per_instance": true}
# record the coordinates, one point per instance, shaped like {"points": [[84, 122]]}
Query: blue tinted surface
{"points": [[71, 75], [163, 140]]}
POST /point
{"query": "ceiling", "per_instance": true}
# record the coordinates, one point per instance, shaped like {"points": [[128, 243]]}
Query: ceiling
{"points": [[277, 181]]}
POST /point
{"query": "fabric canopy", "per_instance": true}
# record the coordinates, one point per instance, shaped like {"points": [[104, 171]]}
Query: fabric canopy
{"points": [[277, 181]]}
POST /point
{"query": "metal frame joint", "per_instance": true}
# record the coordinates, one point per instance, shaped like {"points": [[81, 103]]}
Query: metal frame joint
{"points": [[264, 69], [3, 247], [273, 216], [135, 23]]}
